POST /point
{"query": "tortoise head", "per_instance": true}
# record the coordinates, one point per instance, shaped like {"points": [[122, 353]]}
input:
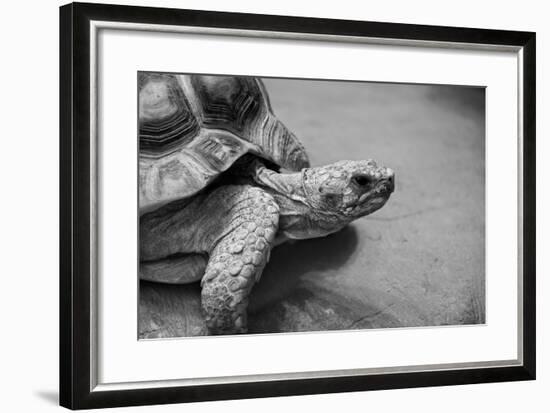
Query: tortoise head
{"points": [[348, 189]]}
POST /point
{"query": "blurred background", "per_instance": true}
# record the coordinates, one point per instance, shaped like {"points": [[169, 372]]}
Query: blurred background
{"points": [[418, 261]]}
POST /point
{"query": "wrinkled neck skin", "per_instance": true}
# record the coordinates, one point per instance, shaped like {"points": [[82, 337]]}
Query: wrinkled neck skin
{"points": [[298, 219]]}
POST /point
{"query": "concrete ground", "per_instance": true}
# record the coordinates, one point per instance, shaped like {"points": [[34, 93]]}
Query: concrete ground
{"points": [[419, 261]]}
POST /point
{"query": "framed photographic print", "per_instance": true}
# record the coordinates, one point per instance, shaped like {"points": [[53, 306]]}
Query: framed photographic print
{"points": [[258, 205]]}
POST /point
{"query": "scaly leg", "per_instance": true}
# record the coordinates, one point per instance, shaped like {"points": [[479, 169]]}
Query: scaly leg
{"points": [[238, 258], [235, 225]]}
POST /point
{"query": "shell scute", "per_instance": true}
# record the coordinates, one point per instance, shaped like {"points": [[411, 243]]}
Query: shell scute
{"points": [[165, 117], [228, 102], [192, 128]]}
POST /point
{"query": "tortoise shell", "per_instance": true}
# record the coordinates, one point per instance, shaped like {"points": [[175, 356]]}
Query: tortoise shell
{"points": [[194, 127]]}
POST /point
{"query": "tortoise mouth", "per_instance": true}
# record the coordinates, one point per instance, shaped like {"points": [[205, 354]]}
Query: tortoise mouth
{"points": [[383, 188], [372, 200]]}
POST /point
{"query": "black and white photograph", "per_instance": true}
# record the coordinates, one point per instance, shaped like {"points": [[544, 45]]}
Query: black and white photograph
{"points": [[284, 205], [279, 205], [275, 206]]}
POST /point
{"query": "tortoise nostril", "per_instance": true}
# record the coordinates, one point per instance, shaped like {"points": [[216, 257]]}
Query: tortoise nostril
{"points": [[391, 183], [390, 177]]}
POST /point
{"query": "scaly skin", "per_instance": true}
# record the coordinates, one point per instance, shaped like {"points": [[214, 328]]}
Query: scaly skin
{"points": [[238, 259], [236, 225]]}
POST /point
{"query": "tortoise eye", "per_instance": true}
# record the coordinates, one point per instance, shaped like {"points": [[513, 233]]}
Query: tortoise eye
{"points": [[361, 180]]}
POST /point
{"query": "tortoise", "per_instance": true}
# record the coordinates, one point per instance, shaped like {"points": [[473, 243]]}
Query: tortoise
{"points": [[222, 181]]}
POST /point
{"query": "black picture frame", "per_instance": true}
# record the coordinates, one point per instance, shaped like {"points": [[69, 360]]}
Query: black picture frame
{"points": [[75, 219]]}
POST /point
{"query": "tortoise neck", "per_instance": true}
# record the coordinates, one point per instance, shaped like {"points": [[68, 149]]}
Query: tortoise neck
{"points": [[298, 219], [281, 185]]}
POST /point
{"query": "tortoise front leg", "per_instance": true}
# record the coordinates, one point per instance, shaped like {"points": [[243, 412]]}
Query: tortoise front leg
{"points": [[238, 258], [178, 270]]}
